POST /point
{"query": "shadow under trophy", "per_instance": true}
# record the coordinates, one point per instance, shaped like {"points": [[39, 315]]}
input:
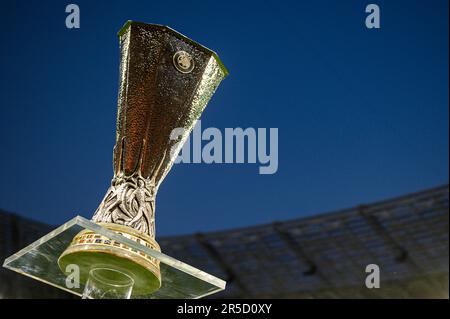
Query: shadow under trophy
{"points": [[166, 80]]}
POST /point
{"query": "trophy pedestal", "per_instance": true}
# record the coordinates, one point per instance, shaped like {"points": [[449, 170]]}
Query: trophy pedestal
{"points": [[105, 279]]}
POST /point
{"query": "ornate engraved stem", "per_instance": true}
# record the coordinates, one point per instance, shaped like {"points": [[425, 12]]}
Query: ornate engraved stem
{"points": [[130, 201]]}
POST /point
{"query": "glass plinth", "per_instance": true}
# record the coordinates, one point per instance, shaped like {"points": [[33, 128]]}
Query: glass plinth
{"points": [[39, 260]]}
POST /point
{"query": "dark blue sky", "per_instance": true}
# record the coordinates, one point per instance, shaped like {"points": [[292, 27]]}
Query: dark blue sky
{"points": [[362, 114]]}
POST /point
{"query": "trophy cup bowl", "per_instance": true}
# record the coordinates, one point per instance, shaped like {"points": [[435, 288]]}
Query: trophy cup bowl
{"points": [[166, 80]]}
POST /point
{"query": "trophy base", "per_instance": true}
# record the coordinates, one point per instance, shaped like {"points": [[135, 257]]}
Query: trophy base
{"points": [[89, 250], [119, 266]]}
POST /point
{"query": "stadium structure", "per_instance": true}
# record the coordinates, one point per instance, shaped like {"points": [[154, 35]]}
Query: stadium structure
{"points": [[323, 256]]}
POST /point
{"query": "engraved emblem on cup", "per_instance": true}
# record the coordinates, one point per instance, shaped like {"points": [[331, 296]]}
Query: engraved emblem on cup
{"points": [[183, 62]]}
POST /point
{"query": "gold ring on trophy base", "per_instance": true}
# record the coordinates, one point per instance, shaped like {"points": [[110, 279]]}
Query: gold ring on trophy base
{"points": [[89, 249]]}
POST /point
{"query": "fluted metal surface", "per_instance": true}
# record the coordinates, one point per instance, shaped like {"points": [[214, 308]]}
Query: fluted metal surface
{"points": [[166, 80]]}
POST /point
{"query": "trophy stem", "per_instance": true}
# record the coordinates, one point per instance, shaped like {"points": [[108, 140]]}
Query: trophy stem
{"points": [[106, 283]]}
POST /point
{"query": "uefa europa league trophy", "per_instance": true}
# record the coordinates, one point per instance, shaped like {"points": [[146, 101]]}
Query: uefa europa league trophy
{"points": [[166, 80]]}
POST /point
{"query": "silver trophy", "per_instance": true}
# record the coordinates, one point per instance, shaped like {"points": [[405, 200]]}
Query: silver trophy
{"points": [[166, 81]]}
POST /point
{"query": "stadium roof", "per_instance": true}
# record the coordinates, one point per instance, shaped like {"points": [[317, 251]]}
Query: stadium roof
{"points": [[326, 255]]}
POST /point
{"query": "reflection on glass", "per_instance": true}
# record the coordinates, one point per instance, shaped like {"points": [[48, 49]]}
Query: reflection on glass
{"points": [[105, 283]]}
